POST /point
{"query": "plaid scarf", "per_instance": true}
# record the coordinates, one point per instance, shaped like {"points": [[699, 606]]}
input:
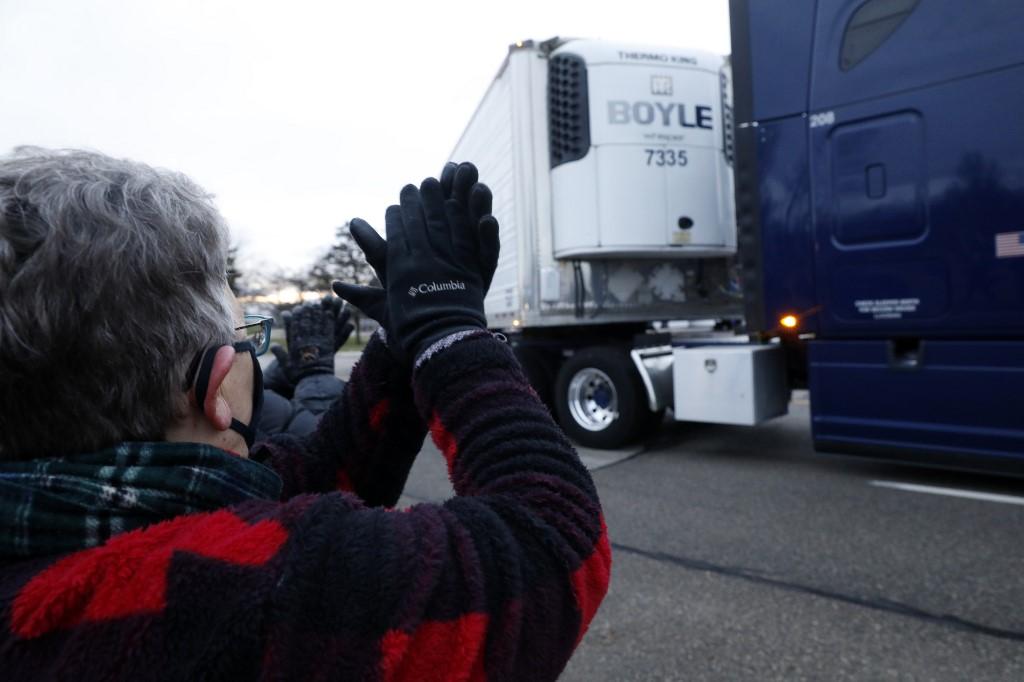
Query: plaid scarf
{"points": [[64, 504]]}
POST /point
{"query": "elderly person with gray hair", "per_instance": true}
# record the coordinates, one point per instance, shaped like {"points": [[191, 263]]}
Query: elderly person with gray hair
{"points": [[144, 534]]}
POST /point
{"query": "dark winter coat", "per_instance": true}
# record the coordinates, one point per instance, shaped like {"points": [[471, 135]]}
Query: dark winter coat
{"points": [[498, 583], [298, 410]]}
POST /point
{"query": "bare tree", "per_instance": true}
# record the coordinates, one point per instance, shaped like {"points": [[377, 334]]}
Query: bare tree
{"points": [[344, 260]]}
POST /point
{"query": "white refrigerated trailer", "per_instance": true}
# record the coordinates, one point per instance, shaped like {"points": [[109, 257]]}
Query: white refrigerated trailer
{"points": [[611, 168]]}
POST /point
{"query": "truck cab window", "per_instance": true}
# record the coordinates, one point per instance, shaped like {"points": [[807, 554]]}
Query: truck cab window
{"points": [[869, 27]]}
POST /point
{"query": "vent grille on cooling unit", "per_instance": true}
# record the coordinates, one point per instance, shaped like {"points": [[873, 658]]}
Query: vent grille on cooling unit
{"points": [[568, 109]]}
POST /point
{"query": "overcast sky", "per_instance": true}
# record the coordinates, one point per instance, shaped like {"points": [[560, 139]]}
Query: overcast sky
{"points": [[297, 115]]}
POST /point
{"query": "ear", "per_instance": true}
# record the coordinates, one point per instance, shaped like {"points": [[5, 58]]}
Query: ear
{"points": [[215, 408]]}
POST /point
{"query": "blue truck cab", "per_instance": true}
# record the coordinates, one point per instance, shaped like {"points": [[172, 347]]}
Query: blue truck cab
{"points": [[880, 208]]}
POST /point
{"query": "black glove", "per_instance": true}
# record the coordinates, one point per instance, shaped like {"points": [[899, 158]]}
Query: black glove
{"points": [[473, 199], [343, 327], [315, 331], [435, 285], [459, 182]]}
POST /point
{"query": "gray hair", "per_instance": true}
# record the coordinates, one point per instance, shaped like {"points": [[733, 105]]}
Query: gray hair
{"points": [[112, 278]]}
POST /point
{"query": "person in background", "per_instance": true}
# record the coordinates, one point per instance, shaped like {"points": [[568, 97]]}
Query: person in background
{"points": [[300, 383], [144, 534]]}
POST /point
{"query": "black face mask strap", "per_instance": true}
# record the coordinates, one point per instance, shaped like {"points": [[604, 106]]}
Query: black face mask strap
{"points": [[248, 431], [245, 431], [202, 368]]}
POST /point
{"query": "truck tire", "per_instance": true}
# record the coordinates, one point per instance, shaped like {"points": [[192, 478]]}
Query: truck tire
{"points": [[599, 400], [539, 370]]}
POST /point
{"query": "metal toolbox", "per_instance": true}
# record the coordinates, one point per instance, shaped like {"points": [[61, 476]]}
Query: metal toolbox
{"points": [[729, 383]]}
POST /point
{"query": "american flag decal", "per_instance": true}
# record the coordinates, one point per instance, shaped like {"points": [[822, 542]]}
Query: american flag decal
{"points": [[1009, 244]]}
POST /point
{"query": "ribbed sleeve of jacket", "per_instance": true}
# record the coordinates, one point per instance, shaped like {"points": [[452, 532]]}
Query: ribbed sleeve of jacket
{"points": [[365, 442], [498, 583]]}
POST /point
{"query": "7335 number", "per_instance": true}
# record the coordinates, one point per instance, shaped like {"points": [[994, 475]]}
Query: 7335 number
{"points": [[666, 157]]}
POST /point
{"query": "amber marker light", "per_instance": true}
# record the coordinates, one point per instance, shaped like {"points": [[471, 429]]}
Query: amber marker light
{"points": [[789, 321]]}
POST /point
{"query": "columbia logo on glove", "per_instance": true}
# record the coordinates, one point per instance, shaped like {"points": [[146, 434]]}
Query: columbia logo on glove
{"points": [[431, 287]]}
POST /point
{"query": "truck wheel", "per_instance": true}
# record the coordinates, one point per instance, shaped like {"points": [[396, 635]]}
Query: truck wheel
{"points": [[539, 370], [598, 398]]}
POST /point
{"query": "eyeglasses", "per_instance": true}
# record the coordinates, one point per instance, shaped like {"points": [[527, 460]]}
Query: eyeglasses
{"points": [[256, 331]]}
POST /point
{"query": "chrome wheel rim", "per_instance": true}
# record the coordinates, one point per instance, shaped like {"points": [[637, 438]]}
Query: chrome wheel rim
{"points": [[593, 401]]}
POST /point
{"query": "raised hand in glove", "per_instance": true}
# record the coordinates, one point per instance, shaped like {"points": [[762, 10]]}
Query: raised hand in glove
{"points": [[471, 203], [435, 284], [315, 331], [459, 183]]}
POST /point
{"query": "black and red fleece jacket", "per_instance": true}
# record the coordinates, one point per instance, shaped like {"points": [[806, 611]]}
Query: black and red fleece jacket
{"points": [[498, 583]]}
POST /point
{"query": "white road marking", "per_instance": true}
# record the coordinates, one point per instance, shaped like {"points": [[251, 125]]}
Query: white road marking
{"points": [[951, 492]]}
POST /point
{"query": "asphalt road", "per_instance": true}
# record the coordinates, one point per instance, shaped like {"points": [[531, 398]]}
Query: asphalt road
{"points": [[739, 554]]}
